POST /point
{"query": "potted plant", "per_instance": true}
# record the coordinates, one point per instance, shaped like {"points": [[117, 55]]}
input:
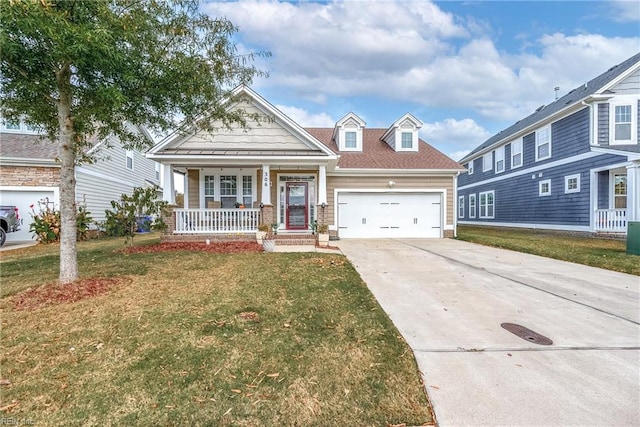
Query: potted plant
{"points": [[268, 242], [263, 229], [323, 235]]}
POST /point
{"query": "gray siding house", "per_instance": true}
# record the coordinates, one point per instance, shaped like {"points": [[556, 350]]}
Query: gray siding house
{"points": [[30, 173], [572, 165]]}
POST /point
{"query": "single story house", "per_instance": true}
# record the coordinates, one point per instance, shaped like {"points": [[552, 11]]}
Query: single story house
{"points": [[572, 165], [361, 182]]}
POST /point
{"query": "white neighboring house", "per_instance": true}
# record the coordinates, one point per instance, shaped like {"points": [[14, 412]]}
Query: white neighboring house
{"points": [[29, 172]]}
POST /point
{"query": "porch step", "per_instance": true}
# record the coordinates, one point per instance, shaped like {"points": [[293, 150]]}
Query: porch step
{"points": [[294, 239]]}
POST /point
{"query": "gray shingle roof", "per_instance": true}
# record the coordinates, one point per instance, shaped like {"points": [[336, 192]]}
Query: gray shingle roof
{"points": [[576, 95]]}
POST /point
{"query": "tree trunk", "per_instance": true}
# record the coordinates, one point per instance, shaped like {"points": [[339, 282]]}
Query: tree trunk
{"points": [[67, 145]]}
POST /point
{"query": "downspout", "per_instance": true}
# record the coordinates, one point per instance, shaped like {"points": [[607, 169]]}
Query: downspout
{"points": [[593, 196], [455, 205]]}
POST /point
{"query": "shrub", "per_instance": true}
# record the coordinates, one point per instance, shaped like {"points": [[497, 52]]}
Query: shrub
{"points": [[139, 211], [46, 223]]}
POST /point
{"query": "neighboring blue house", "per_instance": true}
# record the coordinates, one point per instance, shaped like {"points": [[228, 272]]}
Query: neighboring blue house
{"points": [[572, 165]]}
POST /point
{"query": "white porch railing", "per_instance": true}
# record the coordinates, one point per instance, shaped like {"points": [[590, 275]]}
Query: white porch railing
{"points": [[611, 220], [206, 221]]}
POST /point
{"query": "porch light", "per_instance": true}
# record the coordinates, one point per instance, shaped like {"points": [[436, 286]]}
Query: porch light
{"points": [[391, 184]]}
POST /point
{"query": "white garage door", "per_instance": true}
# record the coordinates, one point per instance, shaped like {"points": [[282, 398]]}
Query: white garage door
{"points": [[23, 197], [374, 215]]}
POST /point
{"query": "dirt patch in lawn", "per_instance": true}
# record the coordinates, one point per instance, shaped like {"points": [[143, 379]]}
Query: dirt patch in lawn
{"points": [[54, 293], [214, 247]]}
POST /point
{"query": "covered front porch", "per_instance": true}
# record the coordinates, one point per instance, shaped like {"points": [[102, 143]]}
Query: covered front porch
{"points": [[236, 200], [616, 196]]}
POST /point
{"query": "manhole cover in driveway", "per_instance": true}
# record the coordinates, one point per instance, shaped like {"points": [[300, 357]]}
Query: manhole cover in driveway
{"points": [[526, 334]]}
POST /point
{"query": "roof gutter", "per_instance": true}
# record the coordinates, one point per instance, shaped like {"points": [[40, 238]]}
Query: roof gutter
{"points": [[26, 161]]}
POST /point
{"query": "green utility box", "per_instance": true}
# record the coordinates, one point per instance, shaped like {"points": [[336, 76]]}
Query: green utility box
{"points": [[633, 237]]}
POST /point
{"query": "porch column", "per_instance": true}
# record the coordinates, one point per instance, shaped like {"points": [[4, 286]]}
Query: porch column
{"points": [[266, 185], [168, 187], [322, 185], [633, 191]]}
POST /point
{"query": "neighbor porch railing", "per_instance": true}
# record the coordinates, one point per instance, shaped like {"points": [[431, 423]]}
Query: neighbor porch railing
{"points": [[611, 220], [205, 221]]}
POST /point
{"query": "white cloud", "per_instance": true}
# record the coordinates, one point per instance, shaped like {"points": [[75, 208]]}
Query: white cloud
{"points": [[625, 11], [414, 52], [451, 135], [305, 119]]}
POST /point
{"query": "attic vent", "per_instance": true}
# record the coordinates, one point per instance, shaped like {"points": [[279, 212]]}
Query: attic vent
{"points": [[539, 108], [568, 102]]}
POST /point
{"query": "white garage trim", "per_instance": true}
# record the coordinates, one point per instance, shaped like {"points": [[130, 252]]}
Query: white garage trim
{"points": [[440, 192], [23, 197], [56, 190]]}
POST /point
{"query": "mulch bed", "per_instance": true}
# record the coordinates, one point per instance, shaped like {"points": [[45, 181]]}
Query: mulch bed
{"points": [[214, 247], [54, 294]]}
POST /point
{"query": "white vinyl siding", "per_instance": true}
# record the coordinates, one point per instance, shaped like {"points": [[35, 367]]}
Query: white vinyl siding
{"points": [[461, 207], [572, 183], [487, 162], [499, 159], [487, 203], [516, 154], [472, 205], [544, 188], [543, 143]]}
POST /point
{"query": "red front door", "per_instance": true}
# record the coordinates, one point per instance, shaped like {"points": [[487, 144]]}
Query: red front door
{"points": [[297, 207]]}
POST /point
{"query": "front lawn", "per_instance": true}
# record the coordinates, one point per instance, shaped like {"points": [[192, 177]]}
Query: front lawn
{"points": [[603, 253], [196, 338]]}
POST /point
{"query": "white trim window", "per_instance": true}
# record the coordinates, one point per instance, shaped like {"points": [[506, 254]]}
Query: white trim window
{"points": [[544, 187], [487, 162], [129, 159], [543, 143], [351, 139], [499, 159], [228, 191], [622, 126], [619, 190], [572, 183], [487, 204], [470, 167], [461, 207], [516, 153], [406, 140], [157, 168], [472, 205], [247, 191], [209, 191]]}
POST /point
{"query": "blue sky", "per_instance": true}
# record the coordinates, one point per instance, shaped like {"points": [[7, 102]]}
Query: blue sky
{"points": [[466, 69]]}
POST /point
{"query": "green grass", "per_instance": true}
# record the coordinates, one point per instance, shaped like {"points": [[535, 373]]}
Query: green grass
{"points": [[603, 253], [173, 344]]}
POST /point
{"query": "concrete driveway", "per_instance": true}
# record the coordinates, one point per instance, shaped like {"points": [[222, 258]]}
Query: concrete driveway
{"points": [[449, 298]]}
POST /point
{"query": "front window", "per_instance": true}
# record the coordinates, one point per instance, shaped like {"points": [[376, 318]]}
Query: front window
{"points": [[500, 160], [543, 144], [247, 191], [350, 139], [407, 140], [461, 207], [470, 167], [622, 123], [157, 171], [472, 205], [209, 186], [619, 191], [487, 204], [544, 188], [228, 191], [516, 154]]}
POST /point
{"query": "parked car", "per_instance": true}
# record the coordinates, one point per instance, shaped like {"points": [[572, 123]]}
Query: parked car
{"points": [[10, 221]]}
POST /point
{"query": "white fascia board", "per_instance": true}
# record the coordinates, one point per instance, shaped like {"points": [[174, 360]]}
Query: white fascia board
{"points": [[629, 154], [621, 77], [236, 160], [26, 161], [386, 172]]}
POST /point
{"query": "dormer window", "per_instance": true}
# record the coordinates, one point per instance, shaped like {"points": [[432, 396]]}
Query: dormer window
{"points": [[403, 134], [350, 139], [348, 133], [407, 140]]}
